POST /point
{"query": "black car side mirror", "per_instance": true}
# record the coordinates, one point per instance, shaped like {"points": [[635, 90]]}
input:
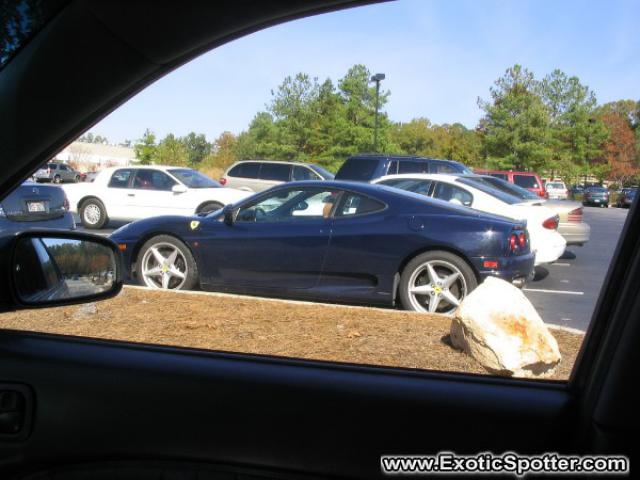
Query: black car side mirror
{"points": [[230, 214], [62, 268]]}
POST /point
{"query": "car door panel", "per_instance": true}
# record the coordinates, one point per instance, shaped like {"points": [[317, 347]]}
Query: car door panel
{"points": [[150, 195], [208, 407], [273, 255]]}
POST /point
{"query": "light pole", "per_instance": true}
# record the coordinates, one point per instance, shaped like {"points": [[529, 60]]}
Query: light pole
{"points": [[378, 77]]}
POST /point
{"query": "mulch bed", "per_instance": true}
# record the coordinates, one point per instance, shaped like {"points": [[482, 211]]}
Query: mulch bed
{"points": [[232, 323]]}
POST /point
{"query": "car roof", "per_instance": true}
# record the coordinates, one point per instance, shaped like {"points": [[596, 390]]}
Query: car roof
{"points": [[446, 177], [482, 170], [162, 168], [284, 162], [401, 157]]}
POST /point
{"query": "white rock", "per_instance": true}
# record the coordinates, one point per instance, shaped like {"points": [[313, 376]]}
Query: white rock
{"points": [[497, 325]]}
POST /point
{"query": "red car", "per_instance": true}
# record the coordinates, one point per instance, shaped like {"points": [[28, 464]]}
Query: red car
{"points": [[529, 180]]}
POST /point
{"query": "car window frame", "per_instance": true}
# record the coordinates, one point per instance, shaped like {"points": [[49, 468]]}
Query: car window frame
{"points": [[129, 180], [341, 201], [262, 165], [416, 162], [256, 200], [239, 165], [304, 167], [427, 194], [152, 170], [452, 185], [537, 184]]}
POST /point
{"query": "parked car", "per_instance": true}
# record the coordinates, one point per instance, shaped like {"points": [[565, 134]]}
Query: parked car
{"points": [[529, 180], [132, 193], [366, 168], [90, 176], [626, 197], [472, 191], [596, 196], [556, 190], [572, 227], [35, 206], [279, 243], [259, 175], [57, 173], [576, 190]]}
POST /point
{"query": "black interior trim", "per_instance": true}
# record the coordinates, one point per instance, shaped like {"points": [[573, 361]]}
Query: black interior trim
{"points": [[337, 421]]}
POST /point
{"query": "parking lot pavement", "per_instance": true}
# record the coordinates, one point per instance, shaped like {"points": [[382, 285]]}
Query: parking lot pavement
{"points": [[565, 292]]}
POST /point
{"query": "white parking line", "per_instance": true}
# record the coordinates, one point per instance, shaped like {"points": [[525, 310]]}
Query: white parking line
{"points": [[562, 264], [563, 292]]}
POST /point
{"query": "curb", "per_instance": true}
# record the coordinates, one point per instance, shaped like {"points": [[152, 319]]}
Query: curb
{"points": [[309, 303]]}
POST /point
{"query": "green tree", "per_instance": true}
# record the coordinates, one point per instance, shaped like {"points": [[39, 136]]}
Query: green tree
{"points": [[197, 148], [359, 101], [577, 133], [311, 121], [171, 151], [516, 123], [145, 148], [453, 142], [414, 137]]}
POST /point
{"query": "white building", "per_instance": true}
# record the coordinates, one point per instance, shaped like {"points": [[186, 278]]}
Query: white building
{"points": [[89, 157]]}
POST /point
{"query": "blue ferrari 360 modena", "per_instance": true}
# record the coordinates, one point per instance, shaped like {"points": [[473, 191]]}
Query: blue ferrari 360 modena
{"points": [[331, 241]]}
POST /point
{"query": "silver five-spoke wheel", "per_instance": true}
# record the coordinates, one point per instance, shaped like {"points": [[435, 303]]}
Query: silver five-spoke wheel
{"points": [[437, 287], [436, 282], [164, 266]]}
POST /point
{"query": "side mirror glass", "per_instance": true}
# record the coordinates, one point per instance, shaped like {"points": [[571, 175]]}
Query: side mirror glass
{"points": [[179, 188], [58, 268]]}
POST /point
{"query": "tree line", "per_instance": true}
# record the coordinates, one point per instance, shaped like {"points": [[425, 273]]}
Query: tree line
{"points": [[552, 125]]}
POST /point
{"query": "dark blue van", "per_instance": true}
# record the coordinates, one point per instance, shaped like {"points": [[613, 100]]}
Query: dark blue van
{"points": [[365, 168]]}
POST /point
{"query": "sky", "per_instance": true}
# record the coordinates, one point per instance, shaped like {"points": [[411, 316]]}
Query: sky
{"points": [[438, 58]]}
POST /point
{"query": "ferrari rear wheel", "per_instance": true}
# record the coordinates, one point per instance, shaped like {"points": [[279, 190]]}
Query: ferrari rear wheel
{"points": [[436, 282], [164, 262]]}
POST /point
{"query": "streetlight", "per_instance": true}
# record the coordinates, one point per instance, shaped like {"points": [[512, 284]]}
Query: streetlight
{"points": [[378, 77]]}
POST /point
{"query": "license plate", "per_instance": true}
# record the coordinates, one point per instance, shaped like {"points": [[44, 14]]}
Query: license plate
{"points": [[596, 200], [36, 207]]}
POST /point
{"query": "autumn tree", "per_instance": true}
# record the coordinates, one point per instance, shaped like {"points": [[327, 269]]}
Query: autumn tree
{"points": [[620, 148]]}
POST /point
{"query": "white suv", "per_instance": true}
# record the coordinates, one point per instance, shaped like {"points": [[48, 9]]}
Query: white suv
{"points": [[258, 175]]}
